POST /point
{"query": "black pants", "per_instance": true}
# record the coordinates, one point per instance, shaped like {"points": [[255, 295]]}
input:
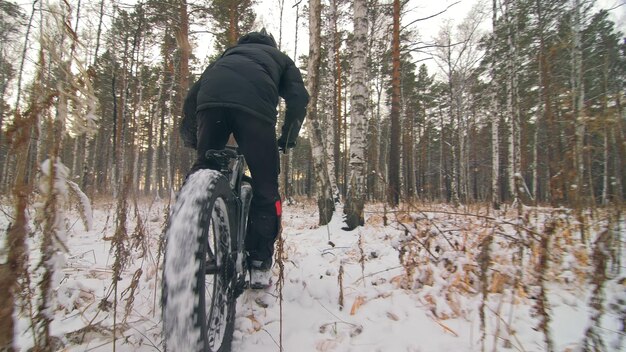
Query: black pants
{"points": [[256, 140]]}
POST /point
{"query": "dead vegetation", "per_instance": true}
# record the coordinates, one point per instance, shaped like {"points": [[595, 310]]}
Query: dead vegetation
{"points": [[448, 254]]}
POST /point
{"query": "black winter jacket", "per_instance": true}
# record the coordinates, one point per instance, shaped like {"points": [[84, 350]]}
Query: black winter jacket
{"points": [[249, 76]]}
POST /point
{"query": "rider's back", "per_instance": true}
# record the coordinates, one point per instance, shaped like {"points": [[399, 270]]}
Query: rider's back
{"points": [[251, 76]]}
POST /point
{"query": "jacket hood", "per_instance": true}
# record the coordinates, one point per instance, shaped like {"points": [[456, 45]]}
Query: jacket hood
{"points": [[258, 38]]}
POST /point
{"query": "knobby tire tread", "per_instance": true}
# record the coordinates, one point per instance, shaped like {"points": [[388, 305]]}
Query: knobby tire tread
{"points": [[183, 290]]}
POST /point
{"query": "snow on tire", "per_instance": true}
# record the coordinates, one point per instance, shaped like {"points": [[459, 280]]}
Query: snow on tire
{"points": [[184, 309]]}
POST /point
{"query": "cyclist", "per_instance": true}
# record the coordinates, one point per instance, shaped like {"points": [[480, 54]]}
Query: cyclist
{"points": [[238, 93]]}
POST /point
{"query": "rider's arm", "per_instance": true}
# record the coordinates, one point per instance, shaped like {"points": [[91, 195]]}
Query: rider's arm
{"points": [[188, 125], [296, 99]]}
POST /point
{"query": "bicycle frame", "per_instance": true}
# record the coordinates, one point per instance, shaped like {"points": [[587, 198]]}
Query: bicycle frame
{"points": [[233, 165]]}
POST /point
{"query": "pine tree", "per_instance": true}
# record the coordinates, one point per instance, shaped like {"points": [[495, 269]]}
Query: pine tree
{"points": [[602, 77], [393, 174], [425, 104], [231, 20]]}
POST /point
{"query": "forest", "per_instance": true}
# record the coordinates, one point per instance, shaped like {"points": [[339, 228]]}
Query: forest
{"points": [[530, 111], [517, 104]]}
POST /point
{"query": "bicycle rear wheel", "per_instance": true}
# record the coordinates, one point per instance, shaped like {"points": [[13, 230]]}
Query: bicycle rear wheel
{"points": [[198, 273]]}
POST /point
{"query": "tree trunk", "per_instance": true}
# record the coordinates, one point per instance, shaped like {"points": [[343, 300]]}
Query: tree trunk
{"points": [[159, 164], [619, 147], [393, 179], [285, 161], [148, 174], [408, 145], [24, 50], [553, 182], [325, 202], [605, 134], [455, 120], [137, 113], [233, 28], [330, 130], [605, 167], [358, 101], [514, 166], [495, 118], [578, 119], [334, 150], [99, 32], [181, 32], [442, 160]]}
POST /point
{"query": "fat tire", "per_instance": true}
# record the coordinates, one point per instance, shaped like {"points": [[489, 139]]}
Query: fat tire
{"points": [[185, 326]]}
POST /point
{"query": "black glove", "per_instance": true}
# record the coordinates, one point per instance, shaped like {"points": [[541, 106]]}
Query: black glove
{"points": [[289, 135], [284, 144]]}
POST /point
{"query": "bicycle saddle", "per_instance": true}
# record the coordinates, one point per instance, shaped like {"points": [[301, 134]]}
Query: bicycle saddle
{"points": [[221, 157]]}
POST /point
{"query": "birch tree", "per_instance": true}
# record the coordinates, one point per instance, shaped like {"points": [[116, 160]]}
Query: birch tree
{"points": [[512, 101], [355, 199], [333, 140], [458, 58], [325, 201]]}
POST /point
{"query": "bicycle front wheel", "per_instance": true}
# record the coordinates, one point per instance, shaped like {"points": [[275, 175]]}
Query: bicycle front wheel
{"points": [[198, 272]]}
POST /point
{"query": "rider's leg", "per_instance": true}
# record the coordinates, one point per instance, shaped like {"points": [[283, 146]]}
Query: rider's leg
{"points": [[257, 142], [212, 132]]}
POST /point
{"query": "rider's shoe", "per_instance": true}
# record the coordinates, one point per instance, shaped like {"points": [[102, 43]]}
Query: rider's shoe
{"points": [[260, 275]]}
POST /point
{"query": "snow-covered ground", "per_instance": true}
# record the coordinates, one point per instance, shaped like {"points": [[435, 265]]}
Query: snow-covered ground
{"points": [[437, 310]]}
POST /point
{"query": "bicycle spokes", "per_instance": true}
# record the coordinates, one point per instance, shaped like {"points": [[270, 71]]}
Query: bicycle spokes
{"points": [[217, 319]]}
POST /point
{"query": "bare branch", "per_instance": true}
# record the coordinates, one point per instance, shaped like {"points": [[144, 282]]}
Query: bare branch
{"points": [[420, 60], [615, 7], [428, 46], [429, 17], [198, 32]]}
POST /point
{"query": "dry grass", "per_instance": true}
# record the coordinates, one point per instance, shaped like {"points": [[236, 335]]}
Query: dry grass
{"points": [[448, 252]]}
